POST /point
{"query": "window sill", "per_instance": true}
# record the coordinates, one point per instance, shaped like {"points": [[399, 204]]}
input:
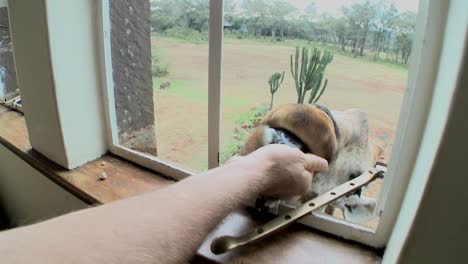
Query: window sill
{"points": [[293, 245]]}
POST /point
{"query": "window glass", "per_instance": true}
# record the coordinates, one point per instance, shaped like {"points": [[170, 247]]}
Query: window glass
{"points": [[8, 81], [370, 42], [160, 62], [160, 70]]}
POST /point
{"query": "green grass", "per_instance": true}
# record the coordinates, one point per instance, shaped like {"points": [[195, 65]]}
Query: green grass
{"points": [[368, 58], [261, 41], [175, 84], [191, 37], [183, 89], [187, 34], [180, 88], [161, 53], [304, 43]]}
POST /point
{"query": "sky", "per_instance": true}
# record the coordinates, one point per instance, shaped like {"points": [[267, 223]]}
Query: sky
{"points": [[333, 7]]}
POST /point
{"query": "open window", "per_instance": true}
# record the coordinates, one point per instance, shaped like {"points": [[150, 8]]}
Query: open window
{"points": [[170, 108], [370, 42], [9, 92]]}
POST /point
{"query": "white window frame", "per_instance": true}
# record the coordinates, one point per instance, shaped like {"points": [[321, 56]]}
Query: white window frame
{"points": [[3, 3], [427, 168], [168, 168], [431, 25], [58, 140], [62, 108]]}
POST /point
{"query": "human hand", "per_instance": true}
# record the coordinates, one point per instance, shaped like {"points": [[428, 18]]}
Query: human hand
{"points": [[282, 170]]}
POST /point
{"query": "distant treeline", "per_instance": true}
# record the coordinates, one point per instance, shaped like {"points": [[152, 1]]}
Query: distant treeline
{"points": [[374, 27]]}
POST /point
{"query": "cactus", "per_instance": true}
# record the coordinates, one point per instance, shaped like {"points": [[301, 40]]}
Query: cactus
{"points": [[275, 81], [308, 73]]}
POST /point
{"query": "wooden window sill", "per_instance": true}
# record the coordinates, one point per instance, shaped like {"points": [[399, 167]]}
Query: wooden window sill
{"points": [[296, 244]]}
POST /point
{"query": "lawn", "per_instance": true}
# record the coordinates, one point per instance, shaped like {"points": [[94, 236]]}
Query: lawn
{"points": [[181, 109]]}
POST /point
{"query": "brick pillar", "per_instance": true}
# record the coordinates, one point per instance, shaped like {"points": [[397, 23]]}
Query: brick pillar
{"points": [[131, 62]]}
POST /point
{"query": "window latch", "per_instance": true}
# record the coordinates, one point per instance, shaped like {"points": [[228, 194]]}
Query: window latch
{"points": [[226, 243]]}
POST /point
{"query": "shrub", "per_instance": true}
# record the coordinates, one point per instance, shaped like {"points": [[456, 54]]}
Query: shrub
{"points": [[244, 125], [308, 73], [186, 34], [275, 81], [158, 70], [236, 34]]}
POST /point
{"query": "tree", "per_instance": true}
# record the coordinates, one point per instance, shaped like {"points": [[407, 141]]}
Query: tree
{"points": [[340, 28], [192, 14], [278, 11], [229, 7], [386, 14], [197, 14], [256, 14], [305, 23], [372, 25], [359, 18], [325, 29], [404, 31], [231, 16], [166, 14], [367, 14], [352, 26]]}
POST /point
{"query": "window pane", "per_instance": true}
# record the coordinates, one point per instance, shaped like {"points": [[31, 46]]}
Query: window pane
{"points": [[8, 81], [370, 42], [160, 64]]}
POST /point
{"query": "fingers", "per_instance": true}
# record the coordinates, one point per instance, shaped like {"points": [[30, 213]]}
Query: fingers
{"points": [[307, 181], [315, 163]]}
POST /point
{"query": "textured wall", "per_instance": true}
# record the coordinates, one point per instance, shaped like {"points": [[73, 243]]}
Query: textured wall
{"points": [[27, 196], [131, 61], [7, 65]]}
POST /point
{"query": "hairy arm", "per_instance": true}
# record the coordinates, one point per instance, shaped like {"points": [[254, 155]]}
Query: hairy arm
{"points": [[165, 226]]}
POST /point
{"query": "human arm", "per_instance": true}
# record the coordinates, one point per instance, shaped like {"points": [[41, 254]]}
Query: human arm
{"points": [[165, 226]]}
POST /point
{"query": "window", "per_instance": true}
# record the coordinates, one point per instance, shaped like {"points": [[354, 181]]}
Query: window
{"points": [[65, 119], [9, 93], [160, 110], [372, 47], [370, 42]]}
